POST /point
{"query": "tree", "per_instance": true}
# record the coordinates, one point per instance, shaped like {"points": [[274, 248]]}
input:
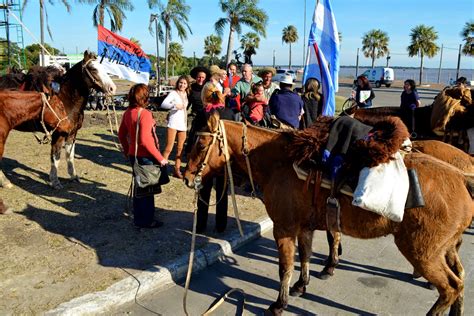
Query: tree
{"points": [[175, 12], [468, 36], [33, 51], [289, 36], [375, 44], [42, 14], [423, 43], [249, 43], [175, 55], [135, 41], [238, 13], [15, 55], [114, 8], [212, 46]]}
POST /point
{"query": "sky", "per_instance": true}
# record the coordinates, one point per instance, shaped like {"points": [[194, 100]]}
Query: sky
{"points": [[73, 32]]}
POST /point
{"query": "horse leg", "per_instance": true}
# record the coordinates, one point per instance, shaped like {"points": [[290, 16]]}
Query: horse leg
{"points": [[335, 250], [439, 273], [56, 146], [4, 182], [454, 262], [70, 150], [305, 242], [286, 254]]}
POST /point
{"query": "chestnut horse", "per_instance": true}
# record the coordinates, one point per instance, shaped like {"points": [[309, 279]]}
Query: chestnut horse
{"points": [[36, 79], [429, 237], [17, 107], [74, 93]]}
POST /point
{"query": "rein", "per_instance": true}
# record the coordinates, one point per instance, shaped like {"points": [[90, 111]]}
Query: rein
{"points": [[48, 135]]}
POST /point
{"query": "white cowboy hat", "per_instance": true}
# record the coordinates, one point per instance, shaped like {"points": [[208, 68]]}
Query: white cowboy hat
{"points": [[286, 79]]}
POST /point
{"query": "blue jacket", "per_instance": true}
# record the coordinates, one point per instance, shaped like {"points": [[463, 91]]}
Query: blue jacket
{"points": [[287, 106]]}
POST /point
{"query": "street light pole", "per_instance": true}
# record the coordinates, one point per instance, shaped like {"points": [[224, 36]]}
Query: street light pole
{"points": [[158, 71]]}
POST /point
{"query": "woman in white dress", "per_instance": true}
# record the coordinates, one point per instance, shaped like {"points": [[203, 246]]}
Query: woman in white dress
{"points": [[176, 102]]}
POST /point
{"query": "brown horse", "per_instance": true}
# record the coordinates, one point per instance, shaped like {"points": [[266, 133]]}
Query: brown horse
{"points": [[74, 93], [428, 237], [17, 107]]}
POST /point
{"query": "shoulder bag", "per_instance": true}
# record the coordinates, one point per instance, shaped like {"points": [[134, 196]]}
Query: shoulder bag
{"points": [[147, 175]]}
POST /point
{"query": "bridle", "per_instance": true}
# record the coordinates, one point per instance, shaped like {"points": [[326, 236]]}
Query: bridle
{"points": [[86, 71], [220, 136]]}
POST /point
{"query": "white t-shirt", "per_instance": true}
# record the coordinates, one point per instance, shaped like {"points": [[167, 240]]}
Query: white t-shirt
{"points": [[177, 119]]}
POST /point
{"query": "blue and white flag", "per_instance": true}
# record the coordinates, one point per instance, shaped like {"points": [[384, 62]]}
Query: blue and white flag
{"points": [[322, 61], [122, 58]]}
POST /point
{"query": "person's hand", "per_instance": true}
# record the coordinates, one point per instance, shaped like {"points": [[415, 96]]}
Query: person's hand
{"points": [[163, 162], [179, 106]]}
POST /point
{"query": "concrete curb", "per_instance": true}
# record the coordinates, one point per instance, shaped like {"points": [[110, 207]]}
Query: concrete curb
{"points": [[157, 277]]}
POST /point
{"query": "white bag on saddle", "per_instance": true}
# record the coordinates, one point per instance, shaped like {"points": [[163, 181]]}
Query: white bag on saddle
{"points": [[383, 189]]}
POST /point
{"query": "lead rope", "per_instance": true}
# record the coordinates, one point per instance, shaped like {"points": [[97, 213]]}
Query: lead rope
{"points": [[245, 153], [108, 101], [48, 135], [220, 135]]}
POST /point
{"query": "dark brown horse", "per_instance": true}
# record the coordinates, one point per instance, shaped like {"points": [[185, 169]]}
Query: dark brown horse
{"points": [[74, 93], [36, 79], [17, 107], [428, 237]]}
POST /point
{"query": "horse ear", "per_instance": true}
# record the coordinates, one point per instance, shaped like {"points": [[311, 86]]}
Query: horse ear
{"points": [[213, 122], [89, 55]]}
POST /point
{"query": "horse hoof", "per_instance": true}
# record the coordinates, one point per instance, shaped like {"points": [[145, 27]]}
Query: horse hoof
{"points": [[273, 310], [416, 275], [297, 291], [323, 275], [56, 185]]}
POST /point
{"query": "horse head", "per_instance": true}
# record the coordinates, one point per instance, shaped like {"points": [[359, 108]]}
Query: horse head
{"points": [[206, 156], [95, 75]]}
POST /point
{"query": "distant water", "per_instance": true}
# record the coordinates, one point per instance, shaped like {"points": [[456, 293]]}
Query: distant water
{"points": [[430, 75]]}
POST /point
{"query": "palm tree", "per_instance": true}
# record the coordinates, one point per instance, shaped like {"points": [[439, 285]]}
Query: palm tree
{"points": [[175, 55], [249, 43], [135, 41], [43, 12], [114, 8], [375, 44], [238, 13], [212, 46], [468, 36], [175, 12], [423, 43], [289, 36]]}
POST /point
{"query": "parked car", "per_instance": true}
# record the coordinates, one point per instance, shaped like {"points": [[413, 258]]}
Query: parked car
{"points": [[380, 76], [281, 72]]}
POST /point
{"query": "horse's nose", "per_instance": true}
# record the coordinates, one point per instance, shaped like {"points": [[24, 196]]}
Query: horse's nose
{"points": [[188, 183]]}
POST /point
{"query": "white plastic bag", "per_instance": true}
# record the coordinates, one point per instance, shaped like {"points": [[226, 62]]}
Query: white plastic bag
{"points": [[383, 189]]}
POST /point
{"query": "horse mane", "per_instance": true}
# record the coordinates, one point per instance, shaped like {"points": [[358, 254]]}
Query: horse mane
{"points": [[388, 134], [308, 144]]}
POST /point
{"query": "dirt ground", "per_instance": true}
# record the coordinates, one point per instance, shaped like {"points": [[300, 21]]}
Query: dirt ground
{"points": [[58, 245]]}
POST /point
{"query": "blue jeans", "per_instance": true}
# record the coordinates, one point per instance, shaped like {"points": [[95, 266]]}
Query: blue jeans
{"points": [[143, 207]]}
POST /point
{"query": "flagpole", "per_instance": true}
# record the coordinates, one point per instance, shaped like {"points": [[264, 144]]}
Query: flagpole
{"points": [[158, 68], [304, 33]]}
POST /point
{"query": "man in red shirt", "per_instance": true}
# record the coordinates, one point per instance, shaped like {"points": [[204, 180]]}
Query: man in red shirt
{"points": [[232, 77]]}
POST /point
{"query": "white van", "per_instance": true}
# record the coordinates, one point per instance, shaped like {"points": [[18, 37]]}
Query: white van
{"points": [[380, 76]]}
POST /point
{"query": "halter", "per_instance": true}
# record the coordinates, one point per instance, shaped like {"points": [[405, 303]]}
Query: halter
{"points": [[48, 135], [88, 73]]}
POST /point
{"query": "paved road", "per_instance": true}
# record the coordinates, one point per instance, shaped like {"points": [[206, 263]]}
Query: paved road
{"points": [[390, 96], [372, 279]]}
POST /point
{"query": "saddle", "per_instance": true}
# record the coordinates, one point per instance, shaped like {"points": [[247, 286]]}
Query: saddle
{"points": [[384, 139]]}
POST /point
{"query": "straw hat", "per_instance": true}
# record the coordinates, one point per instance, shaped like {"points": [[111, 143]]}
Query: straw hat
{"points": [[265, 70]]}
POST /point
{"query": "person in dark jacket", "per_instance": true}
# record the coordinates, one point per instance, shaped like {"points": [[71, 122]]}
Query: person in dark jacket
{"points": [[200, 75], [285, 104], [312, 102], [409, 101], [363, 95]]}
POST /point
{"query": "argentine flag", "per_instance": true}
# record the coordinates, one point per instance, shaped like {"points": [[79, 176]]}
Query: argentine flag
{"points": [[322, 61]]}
